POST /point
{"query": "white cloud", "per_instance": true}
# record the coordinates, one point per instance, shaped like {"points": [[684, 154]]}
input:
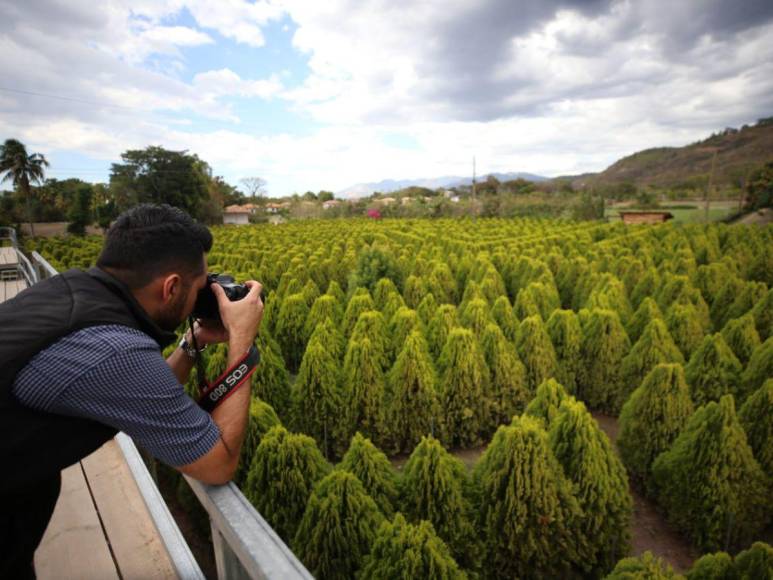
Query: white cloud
{"points": [[226, 82]]}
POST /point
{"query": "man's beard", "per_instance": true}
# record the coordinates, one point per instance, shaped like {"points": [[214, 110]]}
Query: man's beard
{"points": [[173, 316]]}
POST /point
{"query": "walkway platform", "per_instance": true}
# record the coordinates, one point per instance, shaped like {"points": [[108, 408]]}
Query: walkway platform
{"points": [[9, 289], [101, 527]]}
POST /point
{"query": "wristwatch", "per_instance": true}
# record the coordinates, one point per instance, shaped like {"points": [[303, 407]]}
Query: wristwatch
{"points": [[188, 348]]}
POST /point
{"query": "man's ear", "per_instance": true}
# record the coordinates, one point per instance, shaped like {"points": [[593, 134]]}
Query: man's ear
{"points": [[171, 287]]}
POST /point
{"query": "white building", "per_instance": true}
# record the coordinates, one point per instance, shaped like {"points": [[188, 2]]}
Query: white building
{"points": [[236, 215]]}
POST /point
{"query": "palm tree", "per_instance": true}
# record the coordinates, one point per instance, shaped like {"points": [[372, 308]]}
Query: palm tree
{"points": [[21, 169]]}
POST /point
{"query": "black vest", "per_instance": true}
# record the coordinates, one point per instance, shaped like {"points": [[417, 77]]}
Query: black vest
{"points": [[35, 445]]}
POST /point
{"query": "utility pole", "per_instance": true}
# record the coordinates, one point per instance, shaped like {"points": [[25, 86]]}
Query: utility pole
{"points": [[711, 184], [474, 199]]}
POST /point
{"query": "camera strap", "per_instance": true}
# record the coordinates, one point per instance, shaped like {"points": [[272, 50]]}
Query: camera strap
{"points": [[220, 389], [214, 393]]}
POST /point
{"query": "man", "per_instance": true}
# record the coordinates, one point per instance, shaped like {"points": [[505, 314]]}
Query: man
{"points": [[80, 360]]}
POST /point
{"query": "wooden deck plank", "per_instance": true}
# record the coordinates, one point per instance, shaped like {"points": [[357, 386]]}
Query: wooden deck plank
{"points": [[74, 544], [9, 289], [8, 256], [137, 547]]}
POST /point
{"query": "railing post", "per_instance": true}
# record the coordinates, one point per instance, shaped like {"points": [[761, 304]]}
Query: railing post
{"points": [[228, 565]]}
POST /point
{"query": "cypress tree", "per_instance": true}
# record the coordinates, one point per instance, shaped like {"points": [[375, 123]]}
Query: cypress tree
{"points": [[759, 369], [426, 309], [609, 294], [600, 480], [432, 488], [262, 419], [402, 550], [383, 290], [310, 292], [394, 303], [271, 381], [415, 289], [755, 562], [413, 409], [600, 384], [763, 315], [337, 528], [741, 336], [402, 324], [724, 300], [717, 566], [713, 370], [509, 394], [757, 420], [217, 361], [525, 305], [334, 290], [644, 567], [371, 325], [503, 315], [316, 395], [710, 278], [565, 333], [290, 329], [546, 402], [372, 468], [528, 516], [328, 334], [324, 307], [536, 351], [282, 474], [647, 286], [655, 346], [653, 416], [439, 328], [357, 305], [363, 392], [476, 316], [750, 295], [715, 507], [464, 390], [441, 283], [685, 328]]}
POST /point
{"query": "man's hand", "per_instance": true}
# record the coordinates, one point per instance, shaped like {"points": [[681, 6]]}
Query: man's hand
{"points": [[241, 319]]}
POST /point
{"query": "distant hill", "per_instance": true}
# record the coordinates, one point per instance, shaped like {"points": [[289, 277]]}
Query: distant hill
{"points": [[738, 151], [390, 185]]}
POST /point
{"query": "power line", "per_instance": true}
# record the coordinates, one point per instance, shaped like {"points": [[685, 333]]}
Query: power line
{"points": [[72, 99]]}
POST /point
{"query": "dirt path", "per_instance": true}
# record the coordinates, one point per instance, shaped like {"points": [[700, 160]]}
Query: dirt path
{"points": [[649, 528]]}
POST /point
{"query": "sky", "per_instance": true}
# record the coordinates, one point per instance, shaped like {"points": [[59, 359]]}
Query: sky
{"points": [[313, 95]]}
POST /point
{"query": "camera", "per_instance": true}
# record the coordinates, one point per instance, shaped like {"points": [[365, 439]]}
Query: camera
{"points": [[206, 303]]}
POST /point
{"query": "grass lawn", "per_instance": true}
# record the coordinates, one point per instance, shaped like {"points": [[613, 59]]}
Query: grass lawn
{"points": [[684, 216]]}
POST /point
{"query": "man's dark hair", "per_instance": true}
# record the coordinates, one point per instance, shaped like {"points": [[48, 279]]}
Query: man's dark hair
{"points": [[151, 240]]}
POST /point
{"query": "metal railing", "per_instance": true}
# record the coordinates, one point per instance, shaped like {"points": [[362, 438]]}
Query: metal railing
{"points": [[245, 545], [23, 266]]}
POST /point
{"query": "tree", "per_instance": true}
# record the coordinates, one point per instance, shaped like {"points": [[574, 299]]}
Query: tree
{"points": [[527, 514], [643, 567], [756, 562], [325, 306], [80, 211], [685, 328], [426, 309], [546, 402], [600, 384], [21, 170], [371, 325], [724, 300], [262, 419], [508, 376], [415, 289], [759, 369], [271, 381], [373, 264], [316, 395], [283, 473], [741, 336], [401, 325], [337, 528], [763, 315], [653, 416], [357, 305], [158, 175], [717, 566], [290, 329], [440, 327], [503, 315], [363, 391], [565, 333], [536, 351], [254, 187], [713, 371], [476, 316], [759, 189], [717, 508], [757, 421], [372, 468], [432, 488], [655, 346], [600, 480], [464, 389], [402, 550], [413, 407]]}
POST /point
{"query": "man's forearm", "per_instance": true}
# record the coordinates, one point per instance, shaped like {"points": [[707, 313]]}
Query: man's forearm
{"points": [[181, 365], [232, 416]]}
